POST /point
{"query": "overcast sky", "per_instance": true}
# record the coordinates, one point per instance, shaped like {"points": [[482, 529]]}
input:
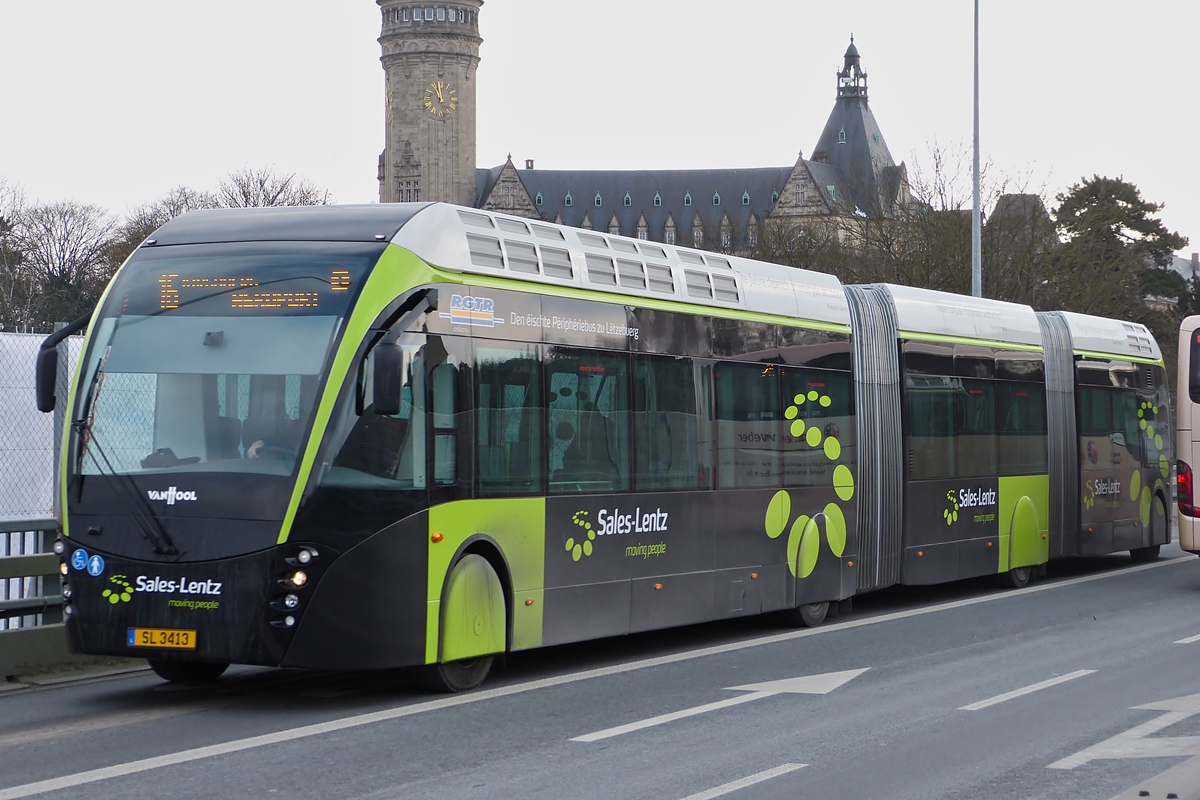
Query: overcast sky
{"points": [[116, 102]]}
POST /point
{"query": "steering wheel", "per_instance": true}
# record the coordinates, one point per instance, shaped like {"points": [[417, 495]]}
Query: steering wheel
{"points": [[274, 453]]}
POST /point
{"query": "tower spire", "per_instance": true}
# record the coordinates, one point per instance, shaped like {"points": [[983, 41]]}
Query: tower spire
{"points": [[852, 81]]}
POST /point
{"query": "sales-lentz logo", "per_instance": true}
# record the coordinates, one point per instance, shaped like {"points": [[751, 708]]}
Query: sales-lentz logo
{"points": [[172, 496], [974, 500]]}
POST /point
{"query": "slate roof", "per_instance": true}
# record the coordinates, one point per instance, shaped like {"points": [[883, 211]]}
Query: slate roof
{"points": [[861, 155], [672, 187], [850, 156]]}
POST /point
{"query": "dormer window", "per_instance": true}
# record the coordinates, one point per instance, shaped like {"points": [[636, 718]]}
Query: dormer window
{"points": [[657, 199], [599, 200], [746, 198], [842, 136], [716, 199], [567, 202], [538, 200], [687, 199], [628, 200]]}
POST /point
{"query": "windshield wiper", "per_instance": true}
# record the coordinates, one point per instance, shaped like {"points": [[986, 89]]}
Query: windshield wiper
{"points": [[143, 515]]}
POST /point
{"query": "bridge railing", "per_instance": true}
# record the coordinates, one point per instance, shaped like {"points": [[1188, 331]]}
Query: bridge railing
{"points": [[32, 636]]}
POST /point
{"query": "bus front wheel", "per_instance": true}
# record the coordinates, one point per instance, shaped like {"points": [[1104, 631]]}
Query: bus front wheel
{"points": [[456, 676], [192, 673]]}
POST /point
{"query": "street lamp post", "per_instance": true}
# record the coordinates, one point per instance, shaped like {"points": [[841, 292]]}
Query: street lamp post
{"points": [[976, 212]]}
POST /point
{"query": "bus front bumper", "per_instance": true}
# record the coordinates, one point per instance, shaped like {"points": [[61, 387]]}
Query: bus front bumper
{"points": [[230, 611]]}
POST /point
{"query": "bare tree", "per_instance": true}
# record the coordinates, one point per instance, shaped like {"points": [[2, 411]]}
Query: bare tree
{"points": [[65, 247], [257, 188], [17, 288]]}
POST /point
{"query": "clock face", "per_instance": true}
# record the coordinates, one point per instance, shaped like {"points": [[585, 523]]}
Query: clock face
{"points": [[441, 99]]}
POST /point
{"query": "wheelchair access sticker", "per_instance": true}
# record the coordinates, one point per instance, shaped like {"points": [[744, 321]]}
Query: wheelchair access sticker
{"points": [[79, 559]]}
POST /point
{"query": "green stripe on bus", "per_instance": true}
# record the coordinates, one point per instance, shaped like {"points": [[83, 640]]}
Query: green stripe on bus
{"points": [[1119, 357], [397, 271], [992, 343]]}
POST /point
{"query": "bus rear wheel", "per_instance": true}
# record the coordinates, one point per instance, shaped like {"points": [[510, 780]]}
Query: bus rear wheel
{"points": [[809, 615], [191, 673], [456, 676], [1144, 555], [1016, 578]]}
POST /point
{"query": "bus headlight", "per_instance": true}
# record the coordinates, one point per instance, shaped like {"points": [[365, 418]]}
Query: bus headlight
{"points": [[68, 610], [289, 621], [298, 578], [63, 568], [66, 592], [305, 556], [291, 601], [59, 547]]}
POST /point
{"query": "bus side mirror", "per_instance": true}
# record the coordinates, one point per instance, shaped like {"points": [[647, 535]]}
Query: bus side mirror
{"points": [[387, 379], [47, 377]]}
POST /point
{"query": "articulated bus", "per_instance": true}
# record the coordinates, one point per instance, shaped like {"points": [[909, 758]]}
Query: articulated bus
{"points": [[423, 436]]}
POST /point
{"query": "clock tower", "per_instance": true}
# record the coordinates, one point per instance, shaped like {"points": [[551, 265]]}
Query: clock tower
{"points": [[430, 57]]}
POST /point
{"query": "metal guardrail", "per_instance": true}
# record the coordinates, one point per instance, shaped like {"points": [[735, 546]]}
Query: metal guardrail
{"points": [[33, 636]]}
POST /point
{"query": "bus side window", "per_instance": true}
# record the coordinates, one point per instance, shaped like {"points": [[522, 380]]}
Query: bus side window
{"points": [[1126, 422], [749, 450], [1021, 428], [821, 399], [667, 426], [587, 421], [930, 406], [508, 420], [443, 379], [386, 451], [1095, 412], [975, 429]]}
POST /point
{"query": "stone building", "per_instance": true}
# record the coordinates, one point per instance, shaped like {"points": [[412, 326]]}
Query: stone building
{"points": [[430, 55]]}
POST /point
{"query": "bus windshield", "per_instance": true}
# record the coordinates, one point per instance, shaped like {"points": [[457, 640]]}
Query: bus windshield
{"points": [[203, 361]]}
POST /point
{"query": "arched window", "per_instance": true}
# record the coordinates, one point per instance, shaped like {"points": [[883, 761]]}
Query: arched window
{"points": [[716, 199], [567, 201], [746, 199], [657, 199]]}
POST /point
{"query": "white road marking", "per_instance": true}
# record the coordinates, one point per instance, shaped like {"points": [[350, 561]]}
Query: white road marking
{"points": [[1135, 742], [1015, 693], [742, 783], [807, 684], [1189, 640], [662, 719], [306, 731]]}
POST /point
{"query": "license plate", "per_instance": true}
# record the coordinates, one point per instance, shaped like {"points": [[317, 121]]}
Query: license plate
{"points": [[162, 637]]}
